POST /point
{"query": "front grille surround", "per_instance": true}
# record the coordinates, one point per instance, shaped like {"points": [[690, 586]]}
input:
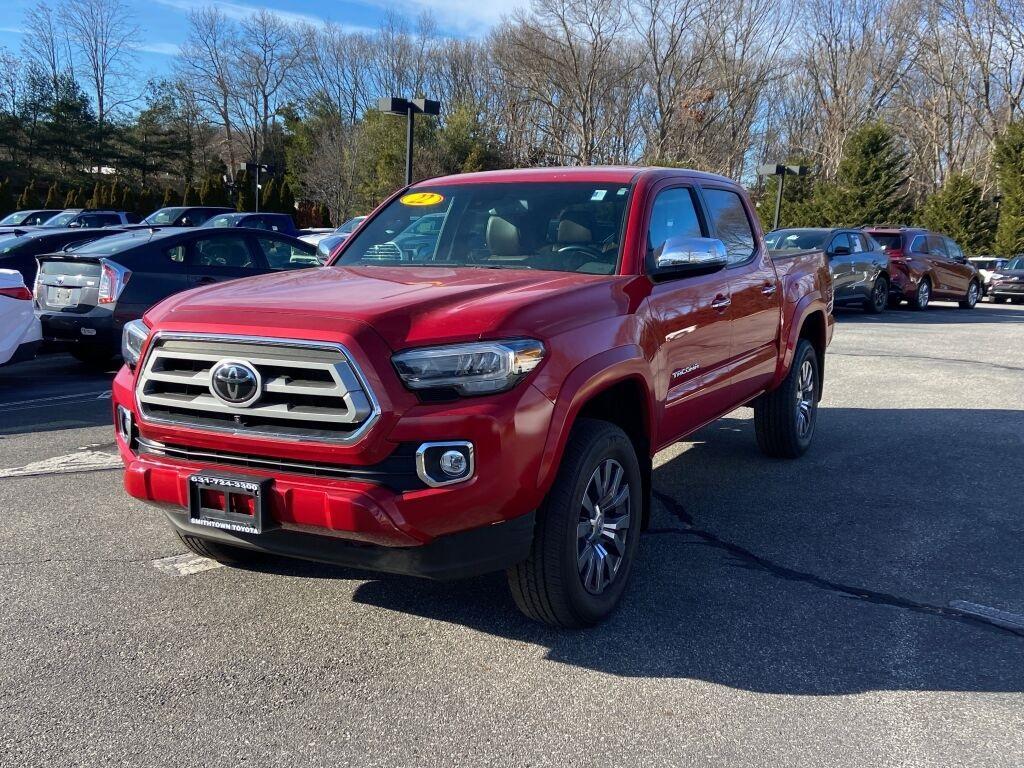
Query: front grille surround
{"points": [[298, 407]]}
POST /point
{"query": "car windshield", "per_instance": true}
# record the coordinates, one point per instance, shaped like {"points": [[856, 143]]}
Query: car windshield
{"points": [[799, 239], [14, 219], [8, 244], [224, 220], [559, 227], [114, 243], [1017, 263], [62, 219], [163, 217], [349, 226]]}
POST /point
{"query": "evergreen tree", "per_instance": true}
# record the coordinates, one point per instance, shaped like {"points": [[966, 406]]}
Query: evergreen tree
{"points": [[871, 184], [52, 196], [269, 199], [798, 208], [960, 211], [28, 197], [6, 201], [244, 189], [325, 215], [146, 204], [170, 198], [71, 199], [96, 199], [112, 196], [191, 197], [286, 200], [1009, 157], [127, 200], [204, 192]]}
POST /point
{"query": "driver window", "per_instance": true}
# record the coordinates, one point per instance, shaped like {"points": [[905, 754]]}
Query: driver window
{"points": [[840, 241], [673, 214]]}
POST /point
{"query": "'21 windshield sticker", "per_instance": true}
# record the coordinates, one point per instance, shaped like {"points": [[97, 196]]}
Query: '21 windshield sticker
{"points": [[421, 198]]}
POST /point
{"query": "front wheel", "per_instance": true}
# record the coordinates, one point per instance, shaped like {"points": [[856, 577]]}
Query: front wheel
{"points": [[973, 294], [879, 298], [587, 531], [222, 553], [784, 418]]}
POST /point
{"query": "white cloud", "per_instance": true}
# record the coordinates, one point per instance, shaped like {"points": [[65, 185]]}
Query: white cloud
{"points": [[165, 49], [240, 10], [471, 17]]}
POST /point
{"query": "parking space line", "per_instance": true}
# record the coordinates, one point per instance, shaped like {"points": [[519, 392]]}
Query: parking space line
{"points": [[185, 564], [82, 461], [41, 402], [993, 615]]}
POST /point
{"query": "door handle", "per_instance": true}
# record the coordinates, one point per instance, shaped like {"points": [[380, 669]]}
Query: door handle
{"points": [[721, 302], [768, 289]]}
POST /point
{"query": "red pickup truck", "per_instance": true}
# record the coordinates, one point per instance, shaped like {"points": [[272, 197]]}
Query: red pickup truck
{"points": [[485, 394]]}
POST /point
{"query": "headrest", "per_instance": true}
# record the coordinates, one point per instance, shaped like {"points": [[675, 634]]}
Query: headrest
{"points": [[575, 227], [502, 237]]}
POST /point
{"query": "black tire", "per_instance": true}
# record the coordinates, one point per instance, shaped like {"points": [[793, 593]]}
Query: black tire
{"points": [[548, 586], [879, 298], [973, 296], [777, 424], [923, 295], [222, 553], [1000, 300], [95, 357], [895, 301]]}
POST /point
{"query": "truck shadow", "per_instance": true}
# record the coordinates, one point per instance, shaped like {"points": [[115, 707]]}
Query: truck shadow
{"points": [[825, 576]]}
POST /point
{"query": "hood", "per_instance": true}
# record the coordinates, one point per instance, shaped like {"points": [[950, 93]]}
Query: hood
{"points": [[407, 306], [1017, 273]]}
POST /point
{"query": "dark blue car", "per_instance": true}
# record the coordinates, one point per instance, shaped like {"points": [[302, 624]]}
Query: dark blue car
{"points": [[273, 222]]}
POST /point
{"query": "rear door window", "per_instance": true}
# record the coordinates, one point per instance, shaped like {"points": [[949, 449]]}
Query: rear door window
{"points": [[953, 250], [231, 251], [920, 244], [730, 224], [937, 246]]}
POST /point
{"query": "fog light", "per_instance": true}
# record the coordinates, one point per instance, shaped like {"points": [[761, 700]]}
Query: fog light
{"points": [[124, 424], [440, 464]]}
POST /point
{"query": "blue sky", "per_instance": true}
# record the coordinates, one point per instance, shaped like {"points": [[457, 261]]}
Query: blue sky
{"points": [[164, 22]]}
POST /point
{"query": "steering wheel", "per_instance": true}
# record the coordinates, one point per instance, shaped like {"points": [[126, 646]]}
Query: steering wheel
{"points": [[585, 252]]}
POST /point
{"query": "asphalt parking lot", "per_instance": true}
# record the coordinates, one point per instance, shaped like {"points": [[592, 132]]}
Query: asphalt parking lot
{"points": [[861, 606]]}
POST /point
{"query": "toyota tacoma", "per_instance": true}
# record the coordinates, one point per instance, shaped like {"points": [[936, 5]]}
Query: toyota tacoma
{"points": [[487, 396]]}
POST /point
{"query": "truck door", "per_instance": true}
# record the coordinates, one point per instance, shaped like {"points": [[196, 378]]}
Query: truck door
{"points": [[756, 293], [690, 317]]}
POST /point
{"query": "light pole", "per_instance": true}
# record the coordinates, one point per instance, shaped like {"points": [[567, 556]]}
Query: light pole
{"points": [[777, 169], [409, 108], [247, 167]]}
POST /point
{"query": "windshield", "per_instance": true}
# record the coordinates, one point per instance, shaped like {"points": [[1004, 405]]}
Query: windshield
{"points": [[800, 239], [163, 217], [62, 219], [224, 220], [559, 227], [14, 219], [1017, 263], [890, 242], [349, 226], [114, 243]]}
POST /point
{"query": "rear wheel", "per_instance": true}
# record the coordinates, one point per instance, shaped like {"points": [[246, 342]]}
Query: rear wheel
{"points": [[784, 418], [922, 295], [222, 553], [587, 531], [973, 294], [879, 296]]}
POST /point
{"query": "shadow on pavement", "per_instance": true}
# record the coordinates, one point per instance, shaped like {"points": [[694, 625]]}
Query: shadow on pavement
{"points": [[937, 313], [53, 392], [824, 576]]}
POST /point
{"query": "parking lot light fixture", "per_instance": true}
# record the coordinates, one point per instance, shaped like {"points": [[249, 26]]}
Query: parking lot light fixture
{"points": [[408, 107], [257, 167], [780, 170]]}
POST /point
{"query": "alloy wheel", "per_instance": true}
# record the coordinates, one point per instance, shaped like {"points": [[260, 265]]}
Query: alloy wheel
{"points": [[603, 526], [880, 295], [806, 400], [924, 294]]}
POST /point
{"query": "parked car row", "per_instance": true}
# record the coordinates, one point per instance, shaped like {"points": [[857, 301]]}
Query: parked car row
{"points": [[880, 267]]}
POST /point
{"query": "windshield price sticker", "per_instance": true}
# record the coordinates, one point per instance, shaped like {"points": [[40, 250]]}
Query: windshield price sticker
{"points": [[421, 198]]}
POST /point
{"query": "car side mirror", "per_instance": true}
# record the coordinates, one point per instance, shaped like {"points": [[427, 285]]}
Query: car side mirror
{"points": [[689, 256], [840, 250]]}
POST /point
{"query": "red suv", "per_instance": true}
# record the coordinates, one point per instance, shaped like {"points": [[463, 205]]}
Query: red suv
{"points": [[926, 265]]}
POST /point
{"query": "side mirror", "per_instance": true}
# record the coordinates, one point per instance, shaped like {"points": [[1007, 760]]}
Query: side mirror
{"points": [[840, 250], [688, 256]]}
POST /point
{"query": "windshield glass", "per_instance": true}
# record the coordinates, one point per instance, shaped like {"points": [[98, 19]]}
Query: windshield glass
{"points": [[888, 242], [14, 219], [1017, 263], [62, 219], [224, 220], [559, 227], [349, 226], [114, 243], [800, 239], [163, 217]]}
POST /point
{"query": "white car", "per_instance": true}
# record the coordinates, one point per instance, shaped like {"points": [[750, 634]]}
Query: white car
{"points": [[20, 332], [986, 266]]}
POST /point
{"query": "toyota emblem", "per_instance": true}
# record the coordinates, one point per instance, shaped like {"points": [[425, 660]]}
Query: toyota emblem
{"points": [[235, 382]]}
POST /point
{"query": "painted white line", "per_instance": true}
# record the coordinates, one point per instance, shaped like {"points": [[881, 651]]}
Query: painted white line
{"points": [[185, 565], [97, 395], [83, 461], [994, 615]]}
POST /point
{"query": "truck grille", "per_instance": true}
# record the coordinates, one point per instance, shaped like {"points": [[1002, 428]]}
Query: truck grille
{"points": [[308, 391]]}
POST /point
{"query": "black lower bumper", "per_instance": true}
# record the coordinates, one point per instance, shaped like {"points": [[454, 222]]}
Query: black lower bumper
{"points": [[91, 329], [455, 556]]}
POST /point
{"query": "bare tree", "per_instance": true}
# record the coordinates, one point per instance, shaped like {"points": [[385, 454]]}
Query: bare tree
{"points": [[45, 45]]}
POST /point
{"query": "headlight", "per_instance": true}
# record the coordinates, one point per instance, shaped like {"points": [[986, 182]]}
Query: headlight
{"points": [[469, 369], [132, 338]]}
